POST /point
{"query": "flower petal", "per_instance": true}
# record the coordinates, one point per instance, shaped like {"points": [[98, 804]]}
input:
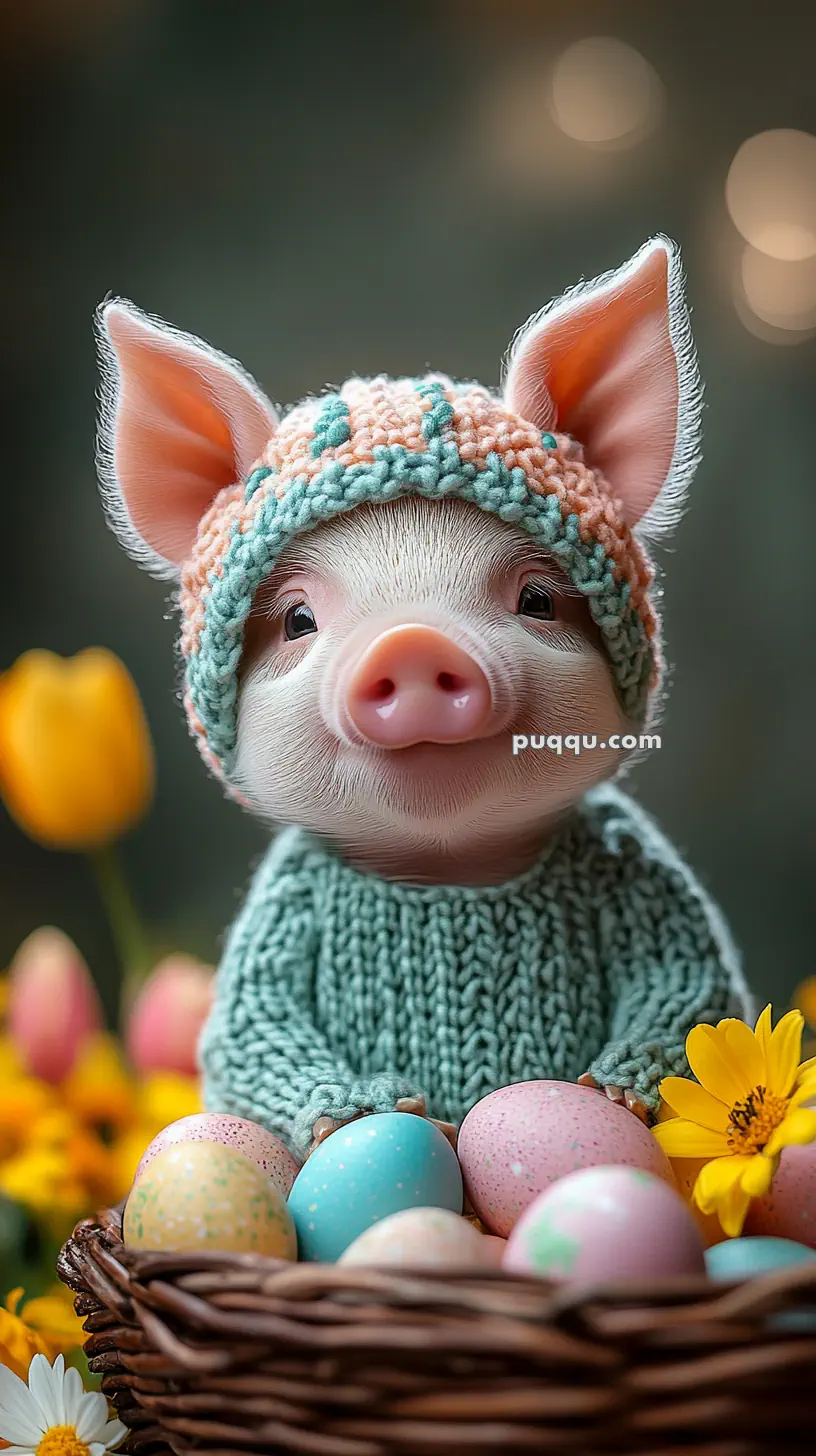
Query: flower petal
{"points": [[72, 1394], [680, 1138], [714, 1065], [757, 1178], [732, 1210], [718, 1190], [91, 1415], [691, 1102], [804, 1091], [747, 1051], [20, 1420], [783, 1053], [764, 1027], [48, 1398], [113, 1433], [717, 1179], [798, 1127]]}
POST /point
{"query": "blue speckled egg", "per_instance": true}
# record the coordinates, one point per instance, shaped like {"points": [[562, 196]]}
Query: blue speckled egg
{"points": [[748, 1258], [374, 1167]]}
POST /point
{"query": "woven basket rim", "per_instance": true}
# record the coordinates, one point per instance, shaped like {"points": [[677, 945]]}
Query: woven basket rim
{"points": [[237, 1355]]}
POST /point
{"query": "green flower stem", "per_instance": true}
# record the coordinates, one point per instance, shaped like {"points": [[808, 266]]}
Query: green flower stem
{"points": [[129, 934]]}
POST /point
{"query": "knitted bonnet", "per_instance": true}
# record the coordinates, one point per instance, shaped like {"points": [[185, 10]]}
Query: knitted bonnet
{"points": [[595, 433]]}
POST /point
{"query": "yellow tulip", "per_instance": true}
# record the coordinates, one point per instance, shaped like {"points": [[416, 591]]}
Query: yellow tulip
{"points": [[76, 759]]}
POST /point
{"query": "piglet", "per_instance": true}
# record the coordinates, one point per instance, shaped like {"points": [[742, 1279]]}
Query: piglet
{"points": [[420, 640]]}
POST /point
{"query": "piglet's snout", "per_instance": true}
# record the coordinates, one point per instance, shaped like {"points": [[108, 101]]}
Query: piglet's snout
{"points": [[413, 685]]}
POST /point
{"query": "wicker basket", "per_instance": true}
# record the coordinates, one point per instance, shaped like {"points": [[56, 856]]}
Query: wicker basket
{"points": [[236, 1353]]}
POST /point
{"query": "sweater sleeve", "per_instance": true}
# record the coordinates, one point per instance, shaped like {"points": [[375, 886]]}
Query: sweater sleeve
{"points": [[261, 1055], [668, 958]]}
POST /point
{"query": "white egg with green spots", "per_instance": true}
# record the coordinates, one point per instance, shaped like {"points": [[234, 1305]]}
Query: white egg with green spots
{"points": [[366, 1171], [602, 1225], [207, 1196]]}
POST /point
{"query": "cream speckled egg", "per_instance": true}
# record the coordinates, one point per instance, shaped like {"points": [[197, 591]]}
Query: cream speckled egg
{"points": [[259, 1145], [205, 1195], [518, 1140], [495, 1248], [789, 1210], [421, 1238]]}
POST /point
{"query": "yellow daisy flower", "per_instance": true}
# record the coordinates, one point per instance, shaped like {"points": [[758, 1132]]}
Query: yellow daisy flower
{"points": [[99, 1089], [53, 1318], [25, 1101], [19, 1343], [748, 1103], [43, 1326]]}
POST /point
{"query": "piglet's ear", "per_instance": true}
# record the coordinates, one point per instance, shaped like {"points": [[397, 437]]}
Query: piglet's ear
{"points": [[613, 364], [179, 421]]}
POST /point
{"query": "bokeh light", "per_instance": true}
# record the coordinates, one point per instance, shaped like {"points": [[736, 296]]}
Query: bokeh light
{"points": [[771, 193], [605, 93], [782, 294], [775, 300]]}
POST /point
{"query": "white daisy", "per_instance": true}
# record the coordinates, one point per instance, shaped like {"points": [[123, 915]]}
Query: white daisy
{"points": [[54, 1415]]}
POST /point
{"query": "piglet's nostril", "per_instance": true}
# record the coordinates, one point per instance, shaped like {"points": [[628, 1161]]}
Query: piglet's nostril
{"points": [[379, 691], [449, 682]]}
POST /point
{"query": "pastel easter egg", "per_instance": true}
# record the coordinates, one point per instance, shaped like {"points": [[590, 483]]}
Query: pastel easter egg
{"points": [[686, 1171], [789, 1210], [604, 1225], [745, 1258], [495, 1248], [750, 1258], [420, 1238], [517, 1141], [204, 1195], [257, 1144], [365, 1171]]}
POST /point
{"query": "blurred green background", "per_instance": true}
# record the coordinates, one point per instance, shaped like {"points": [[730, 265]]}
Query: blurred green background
{"points": [[321, 190]]}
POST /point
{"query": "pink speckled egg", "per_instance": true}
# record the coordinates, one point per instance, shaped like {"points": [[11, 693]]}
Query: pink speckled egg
{"points": [[260, 1146], [789, 1210], [517, 1141], [421, 1238], [601, 1225]]}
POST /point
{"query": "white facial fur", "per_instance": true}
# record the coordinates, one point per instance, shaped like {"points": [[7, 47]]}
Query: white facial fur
{"points": [[454, 567]]}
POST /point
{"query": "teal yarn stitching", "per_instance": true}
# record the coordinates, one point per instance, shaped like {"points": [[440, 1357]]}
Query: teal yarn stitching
{"points": [[255, 479], [340, 992], [332, 426], [441, 412], [437, 472]]}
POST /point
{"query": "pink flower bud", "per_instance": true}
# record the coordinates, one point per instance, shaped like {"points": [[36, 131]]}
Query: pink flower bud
{"points": [[53, 1004], [168, 1015]]}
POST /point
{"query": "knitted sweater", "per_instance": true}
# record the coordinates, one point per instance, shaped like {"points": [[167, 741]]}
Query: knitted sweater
{"points": [[340, 991]]}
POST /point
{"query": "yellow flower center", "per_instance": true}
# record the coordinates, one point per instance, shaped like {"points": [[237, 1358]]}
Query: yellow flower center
{"points": [[751, 1122], [62, 1441]]}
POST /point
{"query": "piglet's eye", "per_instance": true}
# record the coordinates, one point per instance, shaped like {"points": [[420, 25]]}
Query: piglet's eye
{"points": [[536, 601], [299, 622]]}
